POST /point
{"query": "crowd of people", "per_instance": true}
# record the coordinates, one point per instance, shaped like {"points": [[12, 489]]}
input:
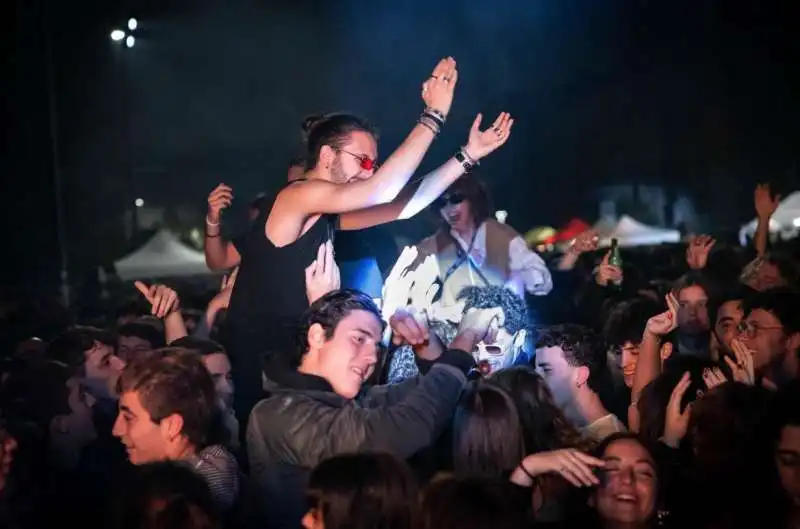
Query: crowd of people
{"points": [[484, 389]]}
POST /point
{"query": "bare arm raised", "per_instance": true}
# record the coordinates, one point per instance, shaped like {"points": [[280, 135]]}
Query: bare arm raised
{"points": [[220, 254], [342, 181], [417, 197]]}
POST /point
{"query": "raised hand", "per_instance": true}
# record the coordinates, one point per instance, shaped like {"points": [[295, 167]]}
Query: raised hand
{"points": [[607, 273], [322, 275], [223, 297], [742, 366], [482, 143], [585, 242], [713, 377], [574, 466], [163, 300], [437, 90], [764, 202], [228, 280], [219, 199], [666, 322], [698, 250], [676, 421]]}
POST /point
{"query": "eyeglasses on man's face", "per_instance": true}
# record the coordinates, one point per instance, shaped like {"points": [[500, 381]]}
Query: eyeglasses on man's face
{"points": [[366, 163], [753, 329]]}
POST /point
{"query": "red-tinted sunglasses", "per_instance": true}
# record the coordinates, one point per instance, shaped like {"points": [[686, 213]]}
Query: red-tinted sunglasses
{"points": [[367, 163]]}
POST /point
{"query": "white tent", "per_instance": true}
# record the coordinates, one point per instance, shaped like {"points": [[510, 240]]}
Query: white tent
{"points": [[162, 256], [786, 219], [631, 232], [604, 226]]}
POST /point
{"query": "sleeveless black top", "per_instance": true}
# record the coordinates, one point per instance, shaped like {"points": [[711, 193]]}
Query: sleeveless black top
{"points": [[270, 291]]}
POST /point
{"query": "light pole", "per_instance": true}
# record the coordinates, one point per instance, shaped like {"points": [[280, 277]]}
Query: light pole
{"points": [[127, 36]]}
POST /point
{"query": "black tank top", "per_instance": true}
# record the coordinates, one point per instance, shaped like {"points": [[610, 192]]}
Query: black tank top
{"points": [[270, 291]]}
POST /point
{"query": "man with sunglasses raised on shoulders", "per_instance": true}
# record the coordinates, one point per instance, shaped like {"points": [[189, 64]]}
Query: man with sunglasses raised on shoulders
{"points": [[343, 188]]}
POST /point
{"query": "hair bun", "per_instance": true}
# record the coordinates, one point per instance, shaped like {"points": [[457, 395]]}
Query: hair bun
{"points": [[310, 122]]}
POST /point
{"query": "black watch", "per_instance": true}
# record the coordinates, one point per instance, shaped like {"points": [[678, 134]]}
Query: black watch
{"points": [[461, 158]]}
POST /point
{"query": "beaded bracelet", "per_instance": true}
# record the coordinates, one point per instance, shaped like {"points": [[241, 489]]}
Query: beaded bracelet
{"points": [[431, 123], [440, 116]]}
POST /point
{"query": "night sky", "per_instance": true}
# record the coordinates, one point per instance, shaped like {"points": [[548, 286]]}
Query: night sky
{"points": [[696, 96]]}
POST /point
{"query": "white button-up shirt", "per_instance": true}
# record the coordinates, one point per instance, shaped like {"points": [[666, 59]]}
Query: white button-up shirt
{"points": [[528, 271]]}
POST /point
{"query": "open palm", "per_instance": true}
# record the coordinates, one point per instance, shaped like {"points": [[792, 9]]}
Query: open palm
{"points": [[481, 143]]}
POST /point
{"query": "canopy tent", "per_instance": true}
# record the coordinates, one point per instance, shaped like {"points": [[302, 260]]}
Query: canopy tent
{"points": [[573, 228], [631, 232], [604, 226], [162, 256], [785, 220]]}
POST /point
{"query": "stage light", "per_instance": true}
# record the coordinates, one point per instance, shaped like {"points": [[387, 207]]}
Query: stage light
{"points": [[130, 41], [138, 203], [133, 24], [117, 35], [501, 216]]}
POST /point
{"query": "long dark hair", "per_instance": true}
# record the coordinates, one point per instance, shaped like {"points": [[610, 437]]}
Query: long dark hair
{"points": [[487, 437], [471, 502], [544, 426], [364, 491]]}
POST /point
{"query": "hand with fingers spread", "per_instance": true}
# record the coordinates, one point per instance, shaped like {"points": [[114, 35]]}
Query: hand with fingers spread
{"points": [[438, 89], [742, 365], [607, 273], [676, 420], [764, 202], [666, 322], [574, 466], [698, 250], [713, 377], [322, 275], [482, 143], [163, 300], [219, 199]]}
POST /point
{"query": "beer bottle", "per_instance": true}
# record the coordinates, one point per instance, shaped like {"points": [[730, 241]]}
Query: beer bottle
{"points": [[615, 259]]}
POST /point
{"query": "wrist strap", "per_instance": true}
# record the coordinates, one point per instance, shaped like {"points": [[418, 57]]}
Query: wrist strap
{"points": [[436, 114], [430, 124], [465, 160]]}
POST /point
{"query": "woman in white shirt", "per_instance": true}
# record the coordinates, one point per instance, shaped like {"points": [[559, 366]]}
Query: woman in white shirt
{"points": [[473, 249]]}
